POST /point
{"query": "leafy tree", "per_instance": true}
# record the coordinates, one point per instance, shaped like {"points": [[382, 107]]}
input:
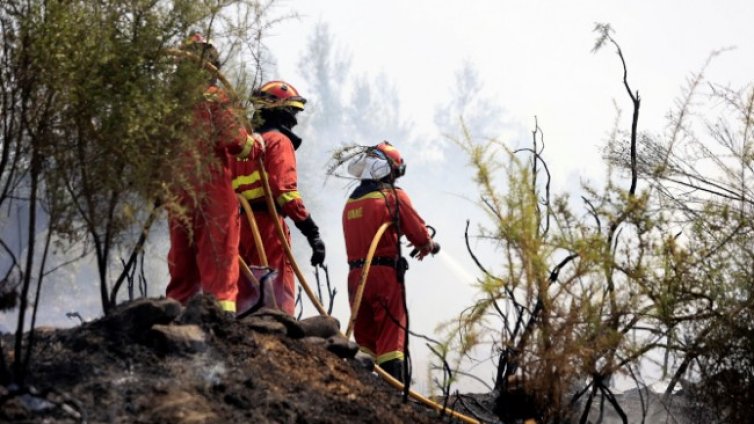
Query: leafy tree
{"points": [[95, 113], [701, 169], [578, 298]]}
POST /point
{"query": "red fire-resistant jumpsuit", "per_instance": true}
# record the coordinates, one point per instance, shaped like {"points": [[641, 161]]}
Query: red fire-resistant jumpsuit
{"points": [[280, 164], [366, 210], [204, 242]]}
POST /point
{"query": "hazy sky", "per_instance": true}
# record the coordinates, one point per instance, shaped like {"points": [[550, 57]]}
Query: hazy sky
{"points": [[534, 58]]}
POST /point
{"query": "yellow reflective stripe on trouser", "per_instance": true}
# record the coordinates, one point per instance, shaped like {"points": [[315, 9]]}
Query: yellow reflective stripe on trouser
{"points": [[287, 197], [245, 179], [396, 354], [227, 305]]}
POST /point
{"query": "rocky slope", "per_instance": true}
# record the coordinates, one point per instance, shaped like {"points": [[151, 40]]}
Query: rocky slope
{"points": [[153, 361]]}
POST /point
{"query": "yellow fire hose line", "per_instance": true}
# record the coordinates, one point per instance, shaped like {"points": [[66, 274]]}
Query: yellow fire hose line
{"points": [[266, 184], [363, 279], [254, 230], [260, 249], [421, 398], [284, 241], [279, 228], [247, 272], [354, 311], [382, 373]]}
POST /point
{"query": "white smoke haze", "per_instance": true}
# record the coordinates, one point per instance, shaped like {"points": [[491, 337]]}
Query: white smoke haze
{"points": [[407, 72], [497, 64], [71, 286]]}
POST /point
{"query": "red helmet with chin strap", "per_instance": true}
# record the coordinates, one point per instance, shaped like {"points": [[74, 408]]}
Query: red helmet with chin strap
{"points": [[392, 155], [274, 94]]}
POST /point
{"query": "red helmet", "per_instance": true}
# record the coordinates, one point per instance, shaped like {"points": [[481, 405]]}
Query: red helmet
{"points": [[278, 94], [393, 156], [197, 44]]}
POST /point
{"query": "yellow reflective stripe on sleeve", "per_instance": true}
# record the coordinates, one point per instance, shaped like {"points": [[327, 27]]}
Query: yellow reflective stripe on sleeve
{"points": [[227, 305], [245, 179], [253, 194], [396, 354], [372, 195], [288, 196]]}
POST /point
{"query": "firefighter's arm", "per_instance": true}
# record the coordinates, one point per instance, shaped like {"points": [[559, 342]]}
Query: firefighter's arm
{"points": [[310, 230], [280, 161], [281, 165], [413, 226]]}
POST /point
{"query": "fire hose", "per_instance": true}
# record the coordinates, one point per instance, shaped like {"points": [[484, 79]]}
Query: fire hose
{"points": [[363, 279], [254, 230], [245, 269], [287, 249], [354, 312]]}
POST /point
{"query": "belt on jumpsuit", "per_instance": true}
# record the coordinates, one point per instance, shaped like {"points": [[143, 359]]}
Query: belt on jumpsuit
{"points": [[378, 260]]}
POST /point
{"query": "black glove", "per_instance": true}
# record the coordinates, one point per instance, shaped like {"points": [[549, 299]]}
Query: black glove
{"points": [[310, 230], [318, 251]]}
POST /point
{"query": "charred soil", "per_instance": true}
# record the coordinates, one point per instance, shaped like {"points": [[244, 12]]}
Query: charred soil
{"points": [[153, 361]]}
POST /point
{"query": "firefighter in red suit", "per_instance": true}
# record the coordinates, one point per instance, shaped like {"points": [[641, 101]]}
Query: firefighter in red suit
{"points": [[277, 104], [381, 319], [203, 254]]}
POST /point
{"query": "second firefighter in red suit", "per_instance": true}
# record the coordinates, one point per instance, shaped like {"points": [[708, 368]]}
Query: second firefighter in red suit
{"points": [[381, 319], [203, 254], [277, 104]]}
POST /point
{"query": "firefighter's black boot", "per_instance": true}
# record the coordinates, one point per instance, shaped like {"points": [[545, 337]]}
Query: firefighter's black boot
{"points": [[394, 367]]}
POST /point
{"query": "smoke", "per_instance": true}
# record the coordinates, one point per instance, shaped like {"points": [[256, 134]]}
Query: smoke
{"points": [[344, 108], [70, 287]]}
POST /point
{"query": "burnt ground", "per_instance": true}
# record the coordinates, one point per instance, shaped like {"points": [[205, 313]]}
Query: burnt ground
{"points": [[157, 362]]}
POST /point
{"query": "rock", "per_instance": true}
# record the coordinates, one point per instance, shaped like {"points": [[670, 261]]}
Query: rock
{"points": [[136, 318], [204, 310], [266, 326], [320, 326], [316, 341], [239, 400], [13, 411], [341, 346], [364, 360], [292, 326], [178, 338]]}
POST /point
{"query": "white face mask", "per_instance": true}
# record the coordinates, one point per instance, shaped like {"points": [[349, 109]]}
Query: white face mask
{"points": [[369, 168]]}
